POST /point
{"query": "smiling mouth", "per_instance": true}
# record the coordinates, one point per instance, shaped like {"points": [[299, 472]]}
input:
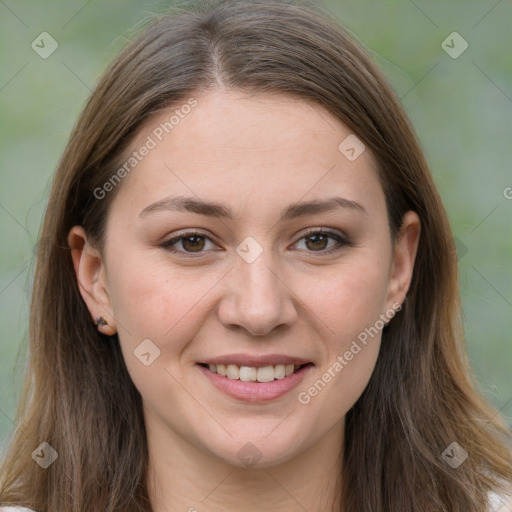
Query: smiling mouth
{"points": [[262, 374]]}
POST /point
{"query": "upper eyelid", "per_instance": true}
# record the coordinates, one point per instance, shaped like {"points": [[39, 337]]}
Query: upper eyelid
{"points": [[186, 234]]}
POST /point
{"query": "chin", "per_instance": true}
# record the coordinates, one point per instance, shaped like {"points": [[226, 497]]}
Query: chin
{"points": [[250, 449]]}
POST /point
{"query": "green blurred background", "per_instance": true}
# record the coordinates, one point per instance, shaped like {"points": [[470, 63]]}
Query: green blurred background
{"points": [[461, 108]]}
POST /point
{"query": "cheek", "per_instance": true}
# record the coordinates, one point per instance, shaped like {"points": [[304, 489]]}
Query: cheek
{"points": [[152, 300], [348, 298], [339, 385], [360, 299], [157, 303], [350, 303]]}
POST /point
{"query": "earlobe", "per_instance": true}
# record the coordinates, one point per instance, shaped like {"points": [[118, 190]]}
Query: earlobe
{"points": [[404, 256], [90, 274]]}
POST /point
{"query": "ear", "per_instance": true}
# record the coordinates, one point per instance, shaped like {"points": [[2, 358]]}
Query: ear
{"points": [[404, 255], [91, 278]]}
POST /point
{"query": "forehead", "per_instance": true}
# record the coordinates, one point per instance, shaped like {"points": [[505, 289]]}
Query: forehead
{"points": [[264, 150]]}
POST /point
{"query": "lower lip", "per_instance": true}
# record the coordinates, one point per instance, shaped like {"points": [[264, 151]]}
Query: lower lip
{"points": [[256, 391]]}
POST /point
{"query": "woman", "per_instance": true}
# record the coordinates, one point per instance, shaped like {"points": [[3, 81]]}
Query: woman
{"points": [[246, 290]]}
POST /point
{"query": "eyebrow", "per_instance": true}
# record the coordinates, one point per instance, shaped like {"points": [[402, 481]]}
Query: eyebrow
{"points": [[212, 209]]}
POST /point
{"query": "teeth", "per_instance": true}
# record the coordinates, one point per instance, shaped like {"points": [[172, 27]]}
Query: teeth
{"points": [[266, 374], [232, 371], [248, 374], [253, 374], [279, 371]]}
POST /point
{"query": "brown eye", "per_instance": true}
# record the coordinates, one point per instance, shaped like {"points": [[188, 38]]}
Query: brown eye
{"points": [[193, 243], [317, 242], [189, 244], [323, 241]]}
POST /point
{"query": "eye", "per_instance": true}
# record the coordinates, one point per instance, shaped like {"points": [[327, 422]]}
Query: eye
{"points": [[324, 241], [189, 243], [318, 240]]}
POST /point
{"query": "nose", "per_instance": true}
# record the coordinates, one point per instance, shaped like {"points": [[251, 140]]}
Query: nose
{"points": [[258, 299]]}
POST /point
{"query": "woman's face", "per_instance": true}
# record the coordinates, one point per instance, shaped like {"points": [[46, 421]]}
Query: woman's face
{"points": [[285, 264]]}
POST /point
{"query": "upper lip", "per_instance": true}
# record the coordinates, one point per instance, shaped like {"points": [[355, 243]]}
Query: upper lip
{"points": [[256, 361]]}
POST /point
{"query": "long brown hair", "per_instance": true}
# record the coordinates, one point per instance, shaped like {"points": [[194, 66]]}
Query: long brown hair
{"points": [[78, 395]]}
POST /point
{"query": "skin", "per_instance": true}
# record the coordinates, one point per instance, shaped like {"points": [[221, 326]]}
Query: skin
{"points": [[256, 155]]}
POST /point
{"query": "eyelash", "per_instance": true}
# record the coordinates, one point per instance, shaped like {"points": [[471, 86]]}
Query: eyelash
{"points": [[342, 242]]}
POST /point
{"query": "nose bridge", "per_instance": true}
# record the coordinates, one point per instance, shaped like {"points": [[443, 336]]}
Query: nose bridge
{"points": [[261, 284], [257, 299]]}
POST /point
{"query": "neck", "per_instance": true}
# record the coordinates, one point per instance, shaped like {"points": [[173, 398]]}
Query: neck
{"points": [[182, 478]]}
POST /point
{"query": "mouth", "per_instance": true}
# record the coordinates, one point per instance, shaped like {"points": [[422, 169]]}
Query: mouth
{"points": [[259, 379], [262, 374]]}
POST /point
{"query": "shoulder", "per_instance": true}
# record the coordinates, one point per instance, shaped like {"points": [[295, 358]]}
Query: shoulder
{"points": [[500, 503], [15, 509], [497, 503]]}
